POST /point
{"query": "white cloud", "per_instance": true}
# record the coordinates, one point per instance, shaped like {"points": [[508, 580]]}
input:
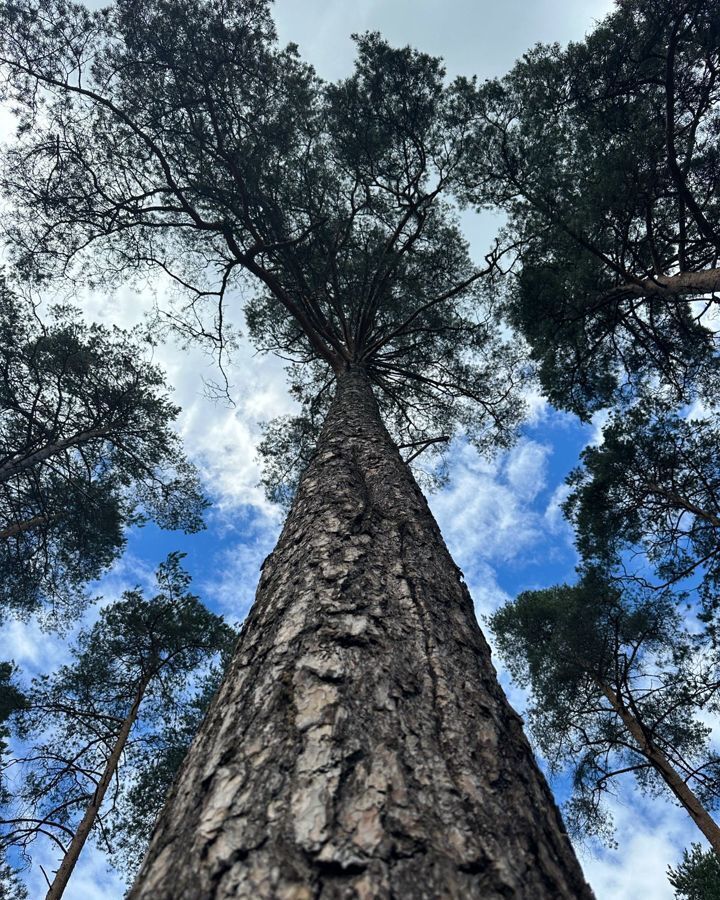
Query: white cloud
{"points": [[485, 512], [553, 515], [31, 648], [486, 592], [232, 587], [651, 834], [526, 468], [698, 411], [221, 439], [598, 422], [537, 407], [128, 572]]}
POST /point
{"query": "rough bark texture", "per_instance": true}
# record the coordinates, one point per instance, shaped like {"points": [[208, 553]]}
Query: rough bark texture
{"points": [[360, 746]]}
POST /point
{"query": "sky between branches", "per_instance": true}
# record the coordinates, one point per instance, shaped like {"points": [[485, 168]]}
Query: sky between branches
{"points": [[500, 518]]}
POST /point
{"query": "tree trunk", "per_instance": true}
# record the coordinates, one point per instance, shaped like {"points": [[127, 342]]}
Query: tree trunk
{"points": [[13, 467], [669, 774], [20, 527], [62, 876], [360, 746]]}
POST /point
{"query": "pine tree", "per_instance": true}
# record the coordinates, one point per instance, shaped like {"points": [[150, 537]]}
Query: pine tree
{"points": [[86, 449], [87, 727], [697, 876], [604, 155], [618, 687], [360, 741], [646, 505]]}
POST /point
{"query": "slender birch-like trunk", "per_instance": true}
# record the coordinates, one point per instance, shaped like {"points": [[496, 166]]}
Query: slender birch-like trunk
{"points": [[62, 876], [360, 746]]}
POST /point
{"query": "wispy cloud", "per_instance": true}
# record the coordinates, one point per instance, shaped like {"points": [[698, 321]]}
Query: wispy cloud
{"points": [[651, 834], [232, 579], [553, 515], [486, 513]]}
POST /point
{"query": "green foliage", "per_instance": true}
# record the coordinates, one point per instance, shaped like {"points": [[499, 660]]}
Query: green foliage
{"points": [[160, 650], [330, 205], [10, 886], [646, 503], [156, 761], [86, 449], [588, 651], [605, 157], [697, 876], [11, 700]]}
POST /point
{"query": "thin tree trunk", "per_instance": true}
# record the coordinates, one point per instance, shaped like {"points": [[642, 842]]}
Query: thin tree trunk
{"points": [[20, 527], [662, 765], [62, 876], [685, 504], [360, 746], [14, 467]]}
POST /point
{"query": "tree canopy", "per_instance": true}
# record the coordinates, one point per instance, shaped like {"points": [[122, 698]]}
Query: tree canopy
{"points": [[618, 686], [645, 504], [180, 136], [150, 658], [87, 448], [604, 155], [697, 875]]}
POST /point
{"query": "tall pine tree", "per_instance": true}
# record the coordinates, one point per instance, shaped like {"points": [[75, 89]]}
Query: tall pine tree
{"points": [[619, 687], [604, 155], [360, 742], [86, 729]]}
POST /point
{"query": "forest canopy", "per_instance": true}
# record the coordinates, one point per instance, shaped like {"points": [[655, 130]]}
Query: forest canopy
{"points": [[179, 140], [182, 138]]}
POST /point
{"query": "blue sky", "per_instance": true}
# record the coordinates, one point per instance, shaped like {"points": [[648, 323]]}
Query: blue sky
{"points": [[500, 517]]}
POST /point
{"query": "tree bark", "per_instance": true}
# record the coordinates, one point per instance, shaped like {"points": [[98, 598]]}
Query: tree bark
{"points": [[360, 746], [13, 467], [665, 769], [20, 527], [706, 281], [62, 876]]}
